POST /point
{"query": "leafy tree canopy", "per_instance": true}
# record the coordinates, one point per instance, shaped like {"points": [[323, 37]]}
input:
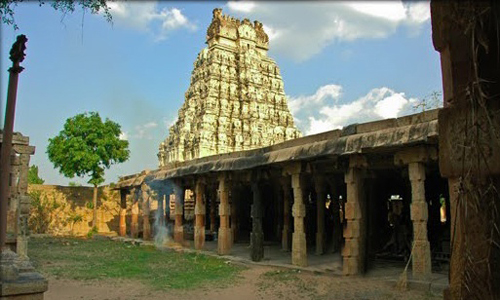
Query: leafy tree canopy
{"points": [[33, 177], [65, 6], [87, 146]]}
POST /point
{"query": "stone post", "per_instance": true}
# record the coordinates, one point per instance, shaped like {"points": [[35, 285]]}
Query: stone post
{"points": [[213, 203], [354, 233], [134, 226], [299, 246], [257, 235], [123, 213], [421, 253], [179, 209], [146, 225], [224, 236], [421, 262], [199, 212], [319, 183], [286, 235], [234, 221]]}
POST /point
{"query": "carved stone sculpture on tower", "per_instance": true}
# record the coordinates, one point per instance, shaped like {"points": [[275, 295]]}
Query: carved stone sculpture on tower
{"points": [[236, 99]]}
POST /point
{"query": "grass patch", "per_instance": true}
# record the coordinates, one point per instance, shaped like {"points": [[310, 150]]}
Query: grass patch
{"points": [[82, 259]]}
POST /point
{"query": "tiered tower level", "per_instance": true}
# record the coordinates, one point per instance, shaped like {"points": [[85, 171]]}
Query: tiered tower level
{"points": [[236, 99]]}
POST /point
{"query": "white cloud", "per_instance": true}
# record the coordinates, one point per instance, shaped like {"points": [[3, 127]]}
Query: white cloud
{"points": [[148, 17], [329, 91], [301, 30], [242, 6], [142, 131], [316, 116]]}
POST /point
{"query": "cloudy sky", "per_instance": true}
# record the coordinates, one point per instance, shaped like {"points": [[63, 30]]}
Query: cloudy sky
{"points": [[342, 63]]}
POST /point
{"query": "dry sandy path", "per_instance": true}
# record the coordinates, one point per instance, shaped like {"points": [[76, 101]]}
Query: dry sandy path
{"points": [[254, 283]]}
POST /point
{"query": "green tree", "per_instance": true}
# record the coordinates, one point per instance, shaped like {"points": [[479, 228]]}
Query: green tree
{"points": [[33, 177], [64, 6], [88, 146]]}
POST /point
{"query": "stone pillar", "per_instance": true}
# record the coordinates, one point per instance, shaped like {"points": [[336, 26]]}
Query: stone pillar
{"points": [[199, 212], [421, 262], [354, 233], [299, 246], [213, 204], [146, 225], [134, 226], [179, 209], [234, 221], [319, 184], [123, 213], [224, 236], [286, 235], [257, 235]]}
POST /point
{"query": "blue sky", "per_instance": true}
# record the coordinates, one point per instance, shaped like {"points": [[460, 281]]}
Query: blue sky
{"points": [[341, 62]]}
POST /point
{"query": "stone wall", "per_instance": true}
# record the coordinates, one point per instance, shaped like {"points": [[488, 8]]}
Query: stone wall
{"points": [[67, 204]]}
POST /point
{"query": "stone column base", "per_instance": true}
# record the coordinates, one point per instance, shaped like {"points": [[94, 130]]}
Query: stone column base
{"points": [[199, 237], [299, 249], [421, 261], [179, 234], [224, 241], [257, 241]]}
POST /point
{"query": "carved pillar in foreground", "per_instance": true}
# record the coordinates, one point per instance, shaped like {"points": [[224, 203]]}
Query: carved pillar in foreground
{"points": [[466, 35], [123, 213], [287, 233], [257, 235], [146, 225], [421, 262], [319, 184], [199, 212], [224, 236], [354, 233], [179, 209], [134, 226]]}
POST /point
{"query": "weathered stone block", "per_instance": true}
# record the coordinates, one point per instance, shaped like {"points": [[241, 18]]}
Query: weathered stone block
{"points": [[351, 266], [351, 248]]}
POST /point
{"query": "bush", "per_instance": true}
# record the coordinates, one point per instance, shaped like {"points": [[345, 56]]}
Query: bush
{"points": [[40, 212]]}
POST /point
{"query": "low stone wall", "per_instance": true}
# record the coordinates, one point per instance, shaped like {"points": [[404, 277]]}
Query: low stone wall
{"points": [[69, 209]]}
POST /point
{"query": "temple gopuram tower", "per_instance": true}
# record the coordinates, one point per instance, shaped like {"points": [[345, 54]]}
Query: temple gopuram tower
{"points": [[236, 99]]}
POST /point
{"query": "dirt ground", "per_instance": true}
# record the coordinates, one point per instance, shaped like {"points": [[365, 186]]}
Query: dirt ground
{"points": [[255, 282]]}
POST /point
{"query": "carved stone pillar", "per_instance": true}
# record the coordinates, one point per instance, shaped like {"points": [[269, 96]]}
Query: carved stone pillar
{"points": [[421, 253], [336, 211], [299, 246], [123, 213], [234, 220], [224, 236], [421, 262], [354, 233], [179, 209], [319, 184], [134, 226], [213, 205], [146, 225], [257, 235], [287, 233], [199, 212]]}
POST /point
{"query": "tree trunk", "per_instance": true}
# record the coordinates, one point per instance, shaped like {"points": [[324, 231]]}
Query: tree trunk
{"points": [[94, 219]]}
